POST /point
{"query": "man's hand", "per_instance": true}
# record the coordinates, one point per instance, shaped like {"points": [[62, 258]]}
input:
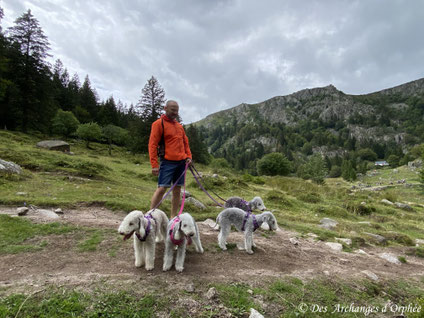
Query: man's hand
{"points": [[189, 161], [155, 171]]}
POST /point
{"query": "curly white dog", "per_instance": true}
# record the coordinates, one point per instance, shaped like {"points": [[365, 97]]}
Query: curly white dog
{"points": [[148, 229], [180, 232], [244, 222]]}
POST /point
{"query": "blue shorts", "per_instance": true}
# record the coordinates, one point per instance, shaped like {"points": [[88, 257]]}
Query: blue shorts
{"points": [[170, 171]]}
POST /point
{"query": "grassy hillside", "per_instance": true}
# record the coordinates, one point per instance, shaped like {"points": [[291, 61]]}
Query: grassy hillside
{"points": [[123, 182]]}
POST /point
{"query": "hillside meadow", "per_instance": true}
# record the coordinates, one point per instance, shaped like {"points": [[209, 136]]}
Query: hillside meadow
{"points": [[122, 182]]}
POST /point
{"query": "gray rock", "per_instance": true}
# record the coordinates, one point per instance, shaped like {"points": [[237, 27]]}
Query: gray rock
{"points": [[21, 193], [9, 167], [22, 211], [380, 239], [209, 222], [370, 275], [255, 314], [211, 294], [390, 258], [58, 145], [190, 288], [47, 214], [403, 206], [385, 201], [328, 224], [294, 241], [196, 203], [419, 241], [335, 246], [362, 252], [58, 211]]}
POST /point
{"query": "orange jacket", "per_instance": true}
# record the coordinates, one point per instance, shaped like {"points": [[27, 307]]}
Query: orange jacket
{"points": [[176, 141]]}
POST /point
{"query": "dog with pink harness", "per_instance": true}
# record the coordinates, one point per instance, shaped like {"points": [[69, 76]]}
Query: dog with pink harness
{"points": [[181, 231]]}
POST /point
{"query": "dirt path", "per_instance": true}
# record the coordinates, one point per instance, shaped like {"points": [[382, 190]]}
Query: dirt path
{"points": [[60, 262]]}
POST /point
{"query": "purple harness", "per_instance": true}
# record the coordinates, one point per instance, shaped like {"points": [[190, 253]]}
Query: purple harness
{"points": [[255, 223], [146, 233], [249, 209]]}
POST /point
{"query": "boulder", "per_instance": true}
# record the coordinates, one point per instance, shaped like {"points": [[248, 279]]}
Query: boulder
{"points": [[370, 275], [211, 294], [22, 211], [196, 203], [328, 224], [255, 314], [47, 214], [58, 145], [380, 239], [347, 241], [403, 206], [9, 167], [390, 258], [335, 246], [387, 202]]}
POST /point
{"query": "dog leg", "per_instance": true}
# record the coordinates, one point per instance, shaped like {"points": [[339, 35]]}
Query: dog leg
{"points": [[168, 255], [222, 237], [138, 252], [248, 242], [150, 255], [196, 241], [179, 262]]}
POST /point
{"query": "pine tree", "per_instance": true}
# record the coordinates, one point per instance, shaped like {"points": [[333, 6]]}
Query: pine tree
{"points": [[152, 101], [28, 37], [88, 99]]}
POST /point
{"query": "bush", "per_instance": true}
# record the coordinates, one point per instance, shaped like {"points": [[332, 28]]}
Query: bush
{"points": [[273, 164], [315, 169], [89, 132], [367, 154], [64, 123], [335, 172], [393, 161]]}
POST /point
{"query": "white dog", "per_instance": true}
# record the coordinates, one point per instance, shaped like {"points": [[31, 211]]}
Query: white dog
{"points": [[148, 229], [244, 222], [180, 232]]}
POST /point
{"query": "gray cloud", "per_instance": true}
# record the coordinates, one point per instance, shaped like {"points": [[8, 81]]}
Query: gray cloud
{"points": [[212, 55]]}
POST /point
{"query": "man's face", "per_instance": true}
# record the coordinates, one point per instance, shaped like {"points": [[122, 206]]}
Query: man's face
{"points": [[171, 110]]}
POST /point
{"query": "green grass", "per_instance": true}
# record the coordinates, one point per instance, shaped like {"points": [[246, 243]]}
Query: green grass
{"points": [[68, 303], [16, 232], [124, 181], [91, 243]]}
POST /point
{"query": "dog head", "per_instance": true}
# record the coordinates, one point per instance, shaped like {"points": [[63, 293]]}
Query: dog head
{"points": [[185, 226], [269, 218], [133, 222], [258, 204]]}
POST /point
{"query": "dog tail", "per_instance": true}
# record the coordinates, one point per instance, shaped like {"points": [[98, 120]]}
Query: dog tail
{"points": [[217, 221]]}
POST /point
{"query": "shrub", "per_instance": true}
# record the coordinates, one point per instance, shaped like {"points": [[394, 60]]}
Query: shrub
{"points": [[64, 123], [335, 172], [273, 164], [89, 132]]}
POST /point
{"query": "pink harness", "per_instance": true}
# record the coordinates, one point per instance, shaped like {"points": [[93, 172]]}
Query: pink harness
{"points": [[177, 219]]}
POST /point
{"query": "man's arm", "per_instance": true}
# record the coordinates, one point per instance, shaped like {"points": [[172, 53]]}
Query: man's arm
{"points": [[155, 136]]}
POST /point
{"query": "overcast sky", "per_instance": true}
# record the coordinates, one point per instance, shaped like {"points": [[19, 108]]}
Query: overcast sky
{"points": [[211, 55]]}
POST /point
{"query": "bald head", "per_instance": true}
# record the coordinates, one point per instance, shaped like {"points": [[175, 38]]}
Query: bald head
{"points": [[171, 109]]}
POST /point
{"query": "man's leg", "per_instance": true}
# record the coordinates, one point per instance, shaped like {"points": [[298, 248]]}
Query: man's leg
{"points": [[157, 196], [175, 201]]}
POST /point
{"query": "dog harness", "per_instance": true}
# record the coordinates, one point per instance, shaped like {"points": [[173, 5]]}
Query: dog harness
{"points": [[255, 223], [146, 233], [249, 209], [171, 235]]}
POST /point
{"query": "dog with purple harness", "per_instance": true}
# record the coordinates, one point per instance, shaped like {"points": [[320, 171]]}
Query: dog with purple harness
{"points": [[245, 222], [181, 231], [148, 230], [255, 204]]}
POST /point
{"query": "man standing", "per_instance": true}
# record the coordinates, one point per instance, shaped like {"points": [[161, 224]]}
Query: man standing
{"points": [[173, 158]]}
